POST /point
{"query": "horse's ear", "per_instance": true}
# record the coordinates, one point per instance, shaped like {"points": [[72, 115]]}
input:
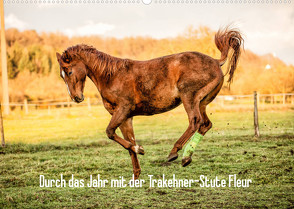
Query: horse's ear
{"points": [[58, 57], [67, 58]]}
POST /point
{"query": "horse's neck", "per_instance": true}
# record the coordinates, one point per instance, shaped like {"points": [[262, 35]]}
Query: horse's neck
{"points": [[99, 64], [93, 74], [88, 60]]}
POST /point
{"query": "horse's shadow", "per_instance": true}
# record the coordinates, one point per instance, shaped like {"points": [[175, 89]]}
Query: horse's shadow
{"points": [[163, 162]]}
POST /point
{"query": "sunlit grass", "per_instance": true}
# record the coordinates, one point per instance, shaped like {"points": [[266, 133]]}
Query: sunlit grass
{"points": [[74, 142], [80, 124]]}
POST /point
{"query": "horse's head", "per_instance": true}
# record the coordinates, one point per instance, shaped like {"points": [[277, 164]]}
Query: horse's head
{"points": [[73, 72]]}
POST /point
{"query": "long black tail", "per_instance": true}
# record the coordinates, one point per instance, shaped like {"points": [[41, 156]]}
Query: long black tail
{"points": [[226, 39]]}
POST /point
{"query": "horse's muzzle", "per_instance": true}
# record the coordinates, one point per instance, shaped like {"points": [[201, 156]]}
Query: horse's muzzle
{"points": [[79, 99]]}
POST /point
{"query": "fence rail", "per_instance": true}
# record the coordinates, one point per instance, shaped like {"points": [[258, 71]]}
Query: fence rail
{"points": [[286, 98], [221, 100]]}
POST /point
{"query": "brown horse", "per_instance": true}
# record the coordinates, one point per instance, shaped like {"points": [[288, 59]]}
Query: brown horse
{"points": [[129, 88]]}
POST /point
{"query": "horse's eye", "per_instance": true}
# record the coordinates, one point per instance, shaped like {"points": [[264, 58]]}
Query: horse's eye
{"points": [[70, 73]]}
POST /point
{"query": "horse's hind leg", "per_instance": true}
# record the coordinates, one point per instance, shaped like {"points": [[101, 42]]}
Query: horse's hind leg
{"points": [[198, 120], [195, 121], [206, 126], [207, 123], [128, 133]]}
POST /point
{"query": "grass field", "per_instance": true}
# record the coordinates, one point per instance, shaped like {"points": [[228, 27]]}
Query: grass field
{"points": [[74, 142]]}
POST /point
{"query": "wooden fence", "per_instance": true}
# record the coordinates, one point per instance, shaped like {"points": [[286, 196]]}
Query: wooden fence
{"points": [[27, 106], [220, 101], [262, 99]]}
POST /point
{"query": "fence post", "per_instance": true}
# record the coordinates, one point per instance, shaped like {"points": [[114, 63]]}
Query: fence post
{"points": [[26, 109], [89, 103], [1, 127], [263, 100], [68, 106], [256, 126], [49, 109], [284, 98]]}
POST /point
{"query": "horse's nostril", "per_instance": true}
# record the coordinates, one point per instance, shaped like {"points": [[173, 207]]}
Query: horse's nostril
{"points": [[79, 99]]}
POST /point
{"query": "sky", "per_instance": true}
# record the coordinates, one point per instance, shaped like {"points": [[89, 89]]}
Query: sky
{"points": [[267, 27]]}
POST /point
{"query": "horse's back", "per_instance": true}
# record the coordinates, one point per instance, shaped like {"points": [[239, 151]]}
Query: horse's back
{"points": [[159, 82]]}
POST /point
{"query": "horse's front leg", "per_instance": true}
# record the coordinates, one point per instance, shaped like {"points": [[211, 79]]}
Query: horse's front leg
{"points": [[127, 130], [118, 117]]}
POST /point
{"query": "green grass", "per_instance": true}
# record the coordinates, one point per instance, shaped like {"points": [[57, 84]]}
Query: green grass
{"points": [[75, 143]]}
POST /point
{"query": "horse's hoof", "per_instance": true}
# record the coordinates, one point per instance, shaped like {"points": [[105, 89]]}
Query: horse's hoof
{"points": [[137, 174], [172, 156], [139, 150], [186, 161]]}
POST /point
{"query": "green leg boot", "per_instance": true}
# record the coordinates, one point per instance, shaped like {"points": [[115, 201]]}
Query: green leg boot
{"points": [[190, 148]]}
